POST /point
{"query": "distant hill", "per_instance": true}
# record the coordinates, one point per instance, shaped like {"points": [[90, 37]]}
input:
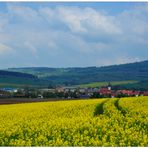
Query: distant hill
{"points": [[18, 79], [16, 74], [137, 71]]}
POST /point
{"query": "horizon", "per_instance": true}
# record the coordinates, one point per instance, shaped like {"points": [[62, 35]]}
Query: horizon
{"points": [[72, 34], [75, 67]]}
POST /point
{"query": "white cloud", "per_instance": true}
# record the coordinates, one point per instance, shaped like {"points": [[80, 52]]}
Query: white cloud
{"points": [[4, 49], [3, 21], [24, 13], [79, 35], [81, 20], [123, 60]]}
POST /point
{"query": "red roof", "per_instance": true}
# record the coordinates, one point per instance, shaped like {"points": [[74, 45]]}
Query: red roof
{"points": [[105, 91], [145, 93], [128, 92]]}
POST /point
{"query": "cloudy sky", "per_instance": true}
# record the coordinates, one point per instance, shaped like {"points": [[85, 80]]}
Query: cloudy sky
{"points": [[72, 34]]}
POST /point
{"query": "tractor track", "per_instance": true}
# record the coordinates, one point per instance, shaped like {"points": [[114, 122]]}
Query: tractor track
{"points": [[99, 108], [119, 107]]}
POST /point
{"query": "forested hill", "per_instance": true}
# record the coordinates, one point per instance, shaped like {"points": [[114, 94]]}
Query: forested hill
{"points": [[18, 79], [70, 76], [16, 74]]}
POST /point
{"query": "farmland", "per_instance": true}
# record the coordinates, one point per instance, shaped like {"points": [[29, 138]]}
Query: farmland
{"points": [[100, 84], [132, 72], [92, 122]]}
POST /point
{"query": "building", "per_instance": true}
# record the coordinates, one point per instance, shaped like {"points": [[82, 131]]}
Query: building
{"points": [[145, 93], [4, 94], [9, 89], [128, 92], [105, 91], [47, 90], [60, 89], [40, 96]]}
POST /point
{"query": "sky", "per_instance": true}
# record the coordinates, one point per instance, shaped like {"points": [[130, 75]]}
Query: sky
{"points": [[72, 34]]}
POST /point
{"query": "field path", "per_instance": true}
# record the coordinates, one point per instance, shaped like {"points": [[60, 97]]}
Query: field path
{"points": [[30, 100]]}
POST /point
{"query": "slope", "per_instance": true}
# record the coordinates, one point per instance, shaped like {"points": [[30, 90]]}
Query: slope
{"points": [[17, 79], [137, 71]]}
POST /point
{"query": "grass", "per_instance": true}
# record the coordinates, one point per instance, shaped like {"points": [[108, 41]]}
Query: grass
{"points": [[14, 85], [100, 84]]}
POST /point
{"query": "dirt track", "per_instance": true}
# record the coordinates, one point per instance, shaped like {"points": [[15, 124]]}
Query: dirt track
{"points": [[28, 100]]}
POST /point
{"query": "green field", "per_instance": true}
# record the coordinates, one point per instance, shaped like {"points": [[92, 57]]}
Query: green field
{"points": [[93, 122], [18, 82], [14, 85], [100, 84]]}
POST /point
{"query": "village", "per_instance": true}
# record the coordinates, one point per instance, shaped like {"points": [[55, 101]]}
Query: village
{"points": [[70, 92]]}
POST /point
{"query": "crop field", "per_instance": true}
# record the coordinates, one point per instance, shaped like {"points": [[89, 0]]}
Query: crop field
{"points": [[93, 122], [100, 84]]}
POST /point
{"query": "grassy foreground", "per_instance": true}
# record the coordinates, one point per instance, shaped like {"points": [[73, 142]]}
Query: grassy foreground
{"points": [[96, 122]]}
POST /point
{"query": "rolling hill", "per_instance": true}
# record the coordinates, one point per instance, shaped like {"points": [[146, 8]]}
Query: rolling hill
{"points": [[137, 71], [18, 79]]}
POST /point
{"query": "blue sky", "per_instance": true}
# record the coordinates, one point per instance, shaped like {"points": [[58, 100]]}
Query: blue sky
{"points": [[72, 34]]}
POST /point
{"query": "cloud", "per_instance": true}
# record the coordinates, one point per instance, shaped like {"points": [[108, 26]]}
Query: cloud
{"points": [[3, 21], [4, 49], [65, 36], [23, 13], [81, 20]]}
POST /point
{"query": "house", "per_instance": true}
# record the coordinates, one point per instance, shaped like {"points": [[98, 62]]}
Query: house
{"points": [[125, 92], [9, 89], [84, 96], [60, 89], [40, 96], [46, 90], [19, 95], [70, 88], [113, 95], [92, 90], [128, 92], [145, 93], [4, 94], [136, 93], [82, 90], [105, 91]]}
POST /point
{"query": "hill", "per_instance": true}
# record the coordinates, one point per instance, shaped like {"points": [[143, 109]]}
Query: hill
{"points": [[137, 71], [18, 79], [16, 74]]}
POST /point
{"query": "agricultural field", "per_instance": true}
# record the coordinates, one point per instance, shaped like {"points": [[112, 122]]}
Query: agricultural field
{"points": [[101, 84], [93, 122]]}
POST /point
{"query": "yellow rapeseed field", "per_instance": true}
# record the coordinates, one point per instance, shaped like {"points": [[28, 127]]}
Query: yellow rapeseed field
{"points": [[93, 122]]}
